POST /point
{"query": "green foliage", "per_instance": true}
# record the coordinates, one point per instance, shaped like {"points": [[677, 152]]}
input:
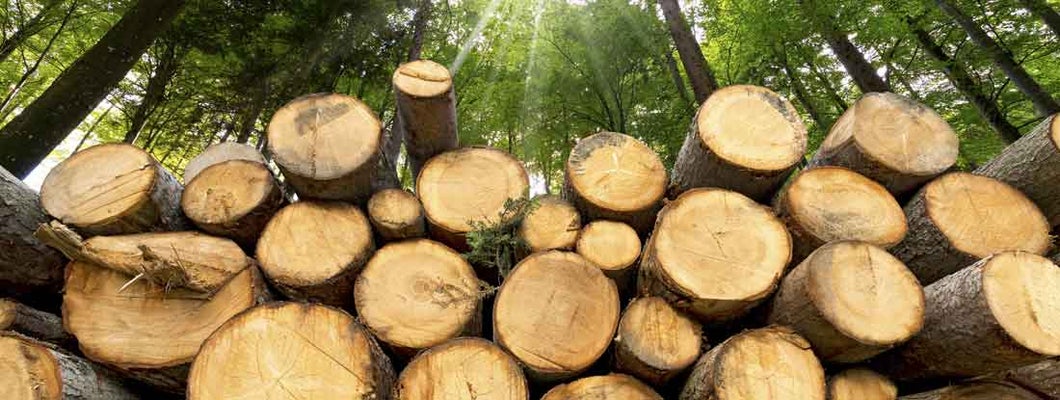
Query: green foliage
{"points": [[495, 244]]}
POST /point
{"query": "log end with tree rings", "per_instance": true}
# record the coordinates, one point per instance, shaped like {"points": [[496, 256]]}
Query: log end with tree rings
{"points": [[851, 300], [426, 108], [234, 199], [961, 218], [556, 313], [1032, 166], [714, 253], [396, 215], [861, 384], [468, 186], [745, 139], [31, 370], [218, 153], [891, 139], [614, 176], [655, 342], [826, 204], [112, 189], [1022, 290], [612, 246], [603, 387], [772, 363], [314, 250], [327, 146], [422, 78], [417, 294], [291, 351], [553, 224], [460, 368]]}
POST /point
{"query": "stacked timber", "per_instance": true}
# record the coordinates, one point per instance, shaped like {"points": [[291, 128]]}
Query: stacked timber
{"points": [[614, 247], [34, 323], [462, 368], [984, 390], [1042, 377], [1032, 166], [744, 138], [891, 139], [426, 110], [616, 177], [552, 224], [234, 199]]}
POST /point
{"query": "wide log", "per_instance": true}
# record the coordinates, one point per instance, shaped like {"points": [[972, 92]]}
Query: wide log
{"points": [[461, 368], [29, 270], [1032, 166]]}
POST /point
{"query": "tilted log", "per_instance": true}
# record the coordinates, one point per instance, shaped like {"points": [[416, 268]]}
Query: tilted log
{"points": [[1032, 166], [37, 324], [460, 368], [1042, 377], [29, 270], [234, 199], [32, 370], [426, 110]]}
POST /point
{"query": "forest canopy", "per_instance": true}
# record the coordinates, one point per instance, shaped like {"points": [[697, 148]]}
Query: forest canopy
{"points": [[531, 76]]}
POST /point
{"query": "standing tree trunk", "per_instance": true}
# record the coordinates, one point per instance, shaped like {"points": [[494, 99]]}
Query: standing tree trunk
{"points": [[29, 270], [675, 74], [1047, 14], [251, 112], [699, 72], [1043, 102], [30, 136], [803, 96], [987, 107], [155, 92], [853, 60]]}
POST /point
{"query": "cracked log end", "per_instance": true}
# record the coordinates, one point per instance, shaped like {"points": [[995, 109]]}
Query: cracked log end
{"points": [[462, 368]]}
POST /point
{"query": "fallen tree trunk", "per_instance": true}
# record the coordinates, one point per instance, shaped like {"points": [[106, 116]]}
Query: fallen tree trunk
{"points": [[961, 218], [418, 294], [218, 153], [552, 224], [997, 314], [29, 270], [113, 189], [40, 325], [612, 387], [851, 301], [827, 204], [466, 187], [34, 370], [1032, 165], [426, 108], [1042, 377], [985, 390], [615, 177], [866, 140], [574, 310], [861, 384], [234, 199], [688, 263], [614, 247], [655, 342], [145, 331], [326, 146], [459, 368], [744, 138], [300, 350], [770, 363], [313, 251], [396, 215]]}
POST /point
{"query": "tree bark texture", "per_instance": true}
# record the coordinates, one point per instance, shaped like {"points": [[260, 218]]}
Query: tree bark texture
{"points": [[696, 67], [1032, 165], [29, 270]]}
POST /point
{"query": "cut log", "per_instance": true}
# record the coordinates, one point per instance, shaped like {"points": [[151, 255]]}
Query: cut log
{"points": [[426, 108], [468, 186], [851, 300], [111, 189], [218, 153], [772, 363], [890, 139], [418, 294], [1000, 313], [605, 387], [746, 139], [655, 342], [552, 225], [326, 146], [961, 218], [314, 250], [29, 270], [616, 177], [1042, 377], [715, 254], [191, 260], [1032, 165], [149, 333], [234, 199], [614, 247], [556, 313], [291, 351], [462, 368], [987, 390], [861, 384], [40, 325], [30, 370], [396, 215], [826, 204]]}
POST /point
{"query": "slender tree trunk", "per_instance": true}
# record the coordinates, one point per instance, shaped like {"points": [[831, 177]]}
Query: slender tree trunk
{"points": [[829, 88], [699, 72], [92, 128], [675, 74], [252, 112], [423, 14], [987, 107], [1043, 102], [36, 64], [803, 96], [1046, 13], [31, 135], [853, 60], [27, 30], [156, 90]]}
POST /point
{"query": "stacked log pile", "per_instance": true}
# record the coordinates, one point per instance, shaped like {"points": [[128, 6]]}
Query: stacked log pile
{"points": [[874, 273]]}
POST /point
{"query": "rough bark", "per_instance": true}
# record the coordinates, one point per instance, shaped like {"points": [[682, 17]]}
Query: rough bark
{"points": [[696, 67], [978, 390], [426, 110], [40, 325], [1032, 165], [1043, 102], [46, 372], [29, 270], [30, 136], [1042, 378]]}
